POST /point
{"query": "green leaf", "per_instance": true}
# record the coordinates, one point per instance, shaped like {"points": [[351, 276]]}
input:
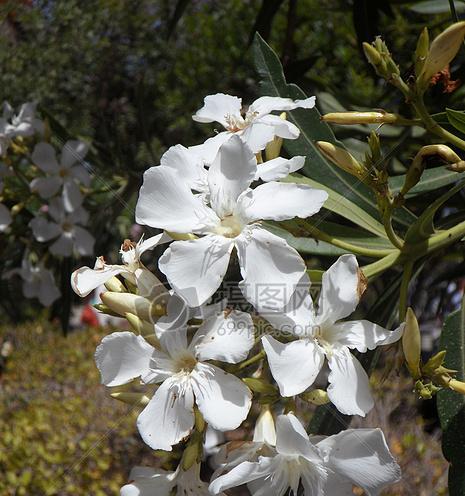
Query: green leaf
{"points": [[273, 83], [431, 180], [340, 205], [423, 228], [457, 119], [451, 405], [431, 7]]}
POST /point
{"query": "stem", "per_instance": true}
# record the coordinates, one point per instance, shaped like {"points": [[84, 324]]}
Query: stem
{"points": [[453, 12], [391, 234], [378, 267], [445, 238], [433, 127], [358, 250], [403, 294], [259, 356]]}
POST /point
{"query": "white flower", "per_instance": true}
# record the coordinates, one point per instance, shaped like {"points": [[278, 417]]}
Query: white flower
{"points": [[38, 282], [66, 173], [185, 376], [84, 280], [65, 228], [23, 124], [195, 268], [327, 467], [256, 127], [147, 481], [295, 365]]}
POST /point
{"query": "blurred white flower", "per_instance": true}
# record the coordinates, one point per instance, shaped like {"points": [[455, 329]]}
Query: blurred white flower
{"points": [[23, 124], [324, 466], [146, 481], [296, 364], [256, 127], [195, 268], [185, 376], [38, 282], [66, 173], [65, 228], [84, 280]]}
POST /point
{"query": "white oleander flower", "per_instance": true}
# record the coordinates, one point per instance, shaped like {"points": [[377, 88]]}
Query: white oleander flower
{"points": [[324, 466], [84, 280], [295, 365], [38, 282], [65, 228], [185, 375], [256, 127], [23, 124], [195, 268], [146, 481], [66, 173]]}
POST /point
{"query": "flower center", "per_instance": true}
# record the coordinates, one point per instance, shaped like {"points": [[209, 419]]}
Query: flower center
{"points": [[319, 335], [185, 363], [63, 172], [230, 227], [67, 226]]}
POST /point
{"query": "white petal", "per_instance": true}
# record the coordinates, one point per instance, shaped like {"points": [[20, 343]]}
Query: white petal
{"points": [[150, 243], [339, 290], [84, 280], [188, 164], [174, 342], [81, 174], [265, 429], [5, 217], [48, 291], [43, 230], [222, 398], [281, 127], [121, 357], [217, 107], [231, 173], [271, 269], [267, 104], [177, 314], [63, 245], [349, 387], [44, 157], [169, 416], [278, 168], [242, 474], [280, 201], [363, 457], [208, 150], [364, 335], [83, 241], [228, 339], [336, 484], [294, 366], [166, 202], [72, 152], [257, 135], [195, 268], [72, 196], [146, 481], [292, 439], [46, 186]]}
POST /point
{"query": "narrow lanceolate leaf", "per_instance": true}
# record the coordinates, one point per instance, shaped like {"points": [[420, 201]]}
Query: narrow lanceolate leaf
{"points": [[431, 180], [340, 205], [424, 226], [457, 119], [451, 405], [312, 129]]}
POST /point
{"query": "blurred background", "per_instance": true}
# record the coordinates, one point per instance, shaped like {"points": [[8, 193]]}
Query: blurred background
{"points": [[126, 76]]}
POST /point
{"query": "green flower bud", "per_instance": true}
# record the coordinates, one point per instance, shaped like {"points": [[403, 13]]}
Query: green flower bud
{"points": [[411, 344], [342, 158], [115, 285], [260, 386], [139, 399], [421, 52], [123, 303], [345, 118], [317, 397]]}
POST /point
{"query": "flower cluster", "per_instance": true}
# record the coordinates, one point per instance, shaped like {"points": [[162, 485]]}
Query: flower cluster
{"points": [[186, 361]]}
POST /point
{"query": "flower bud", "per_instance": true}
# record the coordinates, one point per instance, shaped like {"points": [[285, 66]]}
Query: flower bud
{"points": [[265, 431], [341, 158], [345, 118], [317, 397], [411, 344], [421, 51], [457, 386], [150, 286], [139, 399], [115, 285], [105, 309], [123, 303], [273, 148], [373, 56], [433, 365], [139, 325], [259, 386], [457, 166], [443, 49]]}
